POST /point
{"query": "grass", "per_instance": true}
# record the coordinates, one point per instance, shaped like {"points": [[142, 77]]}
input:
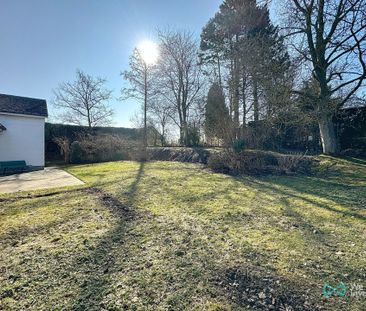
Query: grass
{"points": [[173, 236]]}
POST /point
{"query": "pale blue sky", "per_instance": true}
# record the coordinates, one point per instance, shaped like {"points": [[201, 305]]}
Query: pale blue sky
{"points": [[43, 42]]}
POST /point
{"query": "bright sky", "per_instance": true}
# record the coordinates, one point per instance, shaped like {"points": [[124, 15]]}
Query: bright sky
{"points": [[43, 42]]}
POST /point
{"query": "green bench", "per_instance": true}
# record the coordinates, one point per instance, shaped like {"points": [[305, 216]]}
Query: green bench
{"points": [[12, 167]]}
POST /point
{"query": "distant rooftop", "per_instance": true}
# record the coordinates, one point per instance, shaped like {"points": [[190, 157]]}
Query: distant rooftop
{"points": [[23, 105]]}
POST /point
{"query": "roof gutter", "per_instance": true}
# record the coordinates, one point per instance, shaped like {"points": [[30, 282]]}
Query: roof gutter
{"points": [[22, 115]]}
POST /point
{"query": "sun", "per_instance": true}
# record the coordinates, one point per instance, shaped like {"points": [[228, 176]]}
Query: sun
{"points": [[149, 52]]}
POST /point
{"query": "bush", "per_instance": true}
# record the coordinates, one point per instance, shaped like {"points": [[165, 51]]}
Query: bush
{"points": [[73, 133], [291, 164], [259, 163], [180, 154], [220, 162], [76, 153], [232, 163], [64, 144], [193, 138], [238, 145], [103, 148]]}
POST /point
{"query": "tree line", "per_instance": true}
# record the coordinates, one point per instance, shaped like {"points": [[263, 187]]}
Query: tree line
{"points": [[243, 77]]}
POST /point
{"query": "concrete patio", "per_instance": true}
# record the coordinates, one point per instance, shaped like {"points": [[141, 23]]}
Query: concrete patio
{"points": [[50, 177]]}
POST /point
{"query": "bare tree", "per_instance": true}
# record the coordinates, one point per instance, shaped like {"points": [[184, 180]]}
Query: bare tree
{"points": [[64, 145], [179, 76], [140, 78], [162, 117], [331, 36], [84, 101], [153, 132]]}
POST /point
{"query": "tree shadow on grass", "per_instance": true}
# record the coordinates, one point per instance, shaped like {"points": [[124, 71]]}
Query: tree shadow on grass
{"points": [[301, 193], [311, 231], [234, 281], [96, 266], [22, 230]]}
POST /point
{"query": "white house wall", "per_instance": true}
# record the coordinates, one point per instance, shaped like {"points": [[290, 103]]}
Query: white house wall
{"points": [[23, 139]]}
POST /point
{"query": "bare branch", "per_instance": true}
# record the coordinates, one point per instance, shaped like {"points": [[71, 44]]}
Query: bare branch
{"points": [[84, 101]]}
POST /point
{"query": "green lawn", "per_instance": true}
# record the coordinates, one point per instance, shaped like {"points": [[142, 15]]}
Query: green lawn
{"points": [[173, 236]]}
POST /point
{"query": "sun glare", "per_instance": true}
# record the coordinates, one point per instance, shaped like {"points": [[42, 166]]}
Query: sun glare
{"points": [[149, 52]]}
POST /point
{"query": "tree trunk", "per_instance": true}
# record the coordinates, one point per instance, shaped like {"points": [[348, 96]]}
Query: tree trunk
{"points": [[185, 129], [236, 99], [67, 156], [328, 135], [181, 135], [145, 115], [89, 119], [219, 70], [162, 137], [244, 85], [255, 100]]}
